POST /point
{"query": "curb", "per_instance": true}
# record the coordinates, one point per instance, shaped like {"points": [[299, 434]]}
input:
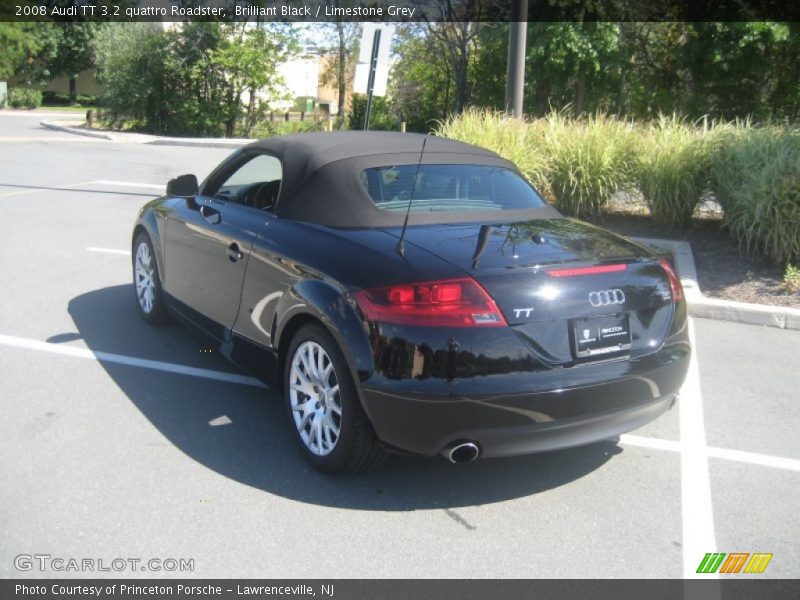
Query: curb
{"points": [[200, 142], [155, 141], [743, 312], [704, 307], [92, 134]]}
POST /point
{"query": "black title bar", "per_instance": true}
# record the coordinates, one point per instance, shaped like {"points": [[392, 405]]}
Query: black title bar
{"points": [[397, 10]]}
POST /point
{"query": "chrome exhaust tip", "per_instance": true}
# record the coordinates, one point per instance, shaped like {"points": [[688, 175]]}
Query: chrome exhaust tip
{"points": [[463, 452]]}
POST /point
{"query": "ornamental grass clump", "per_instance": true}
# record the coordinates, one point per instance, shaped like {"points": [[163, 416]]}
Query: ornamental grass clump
{"points": [[591, 160], [672, 169], [755, 176]]}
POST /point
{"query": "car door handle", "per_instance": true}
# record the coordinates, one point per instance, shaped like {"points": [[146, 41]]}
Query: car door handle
{"points": [[212, 215], [234, 253]]}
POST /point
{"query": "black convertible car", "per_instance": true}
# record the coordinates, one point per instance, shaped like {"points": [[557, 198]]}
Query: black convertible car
{"points": [[408, 293]]}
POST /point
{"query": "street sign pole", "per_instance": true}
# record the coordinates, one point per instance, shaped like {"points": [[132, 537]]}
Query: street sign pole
{"points": [[373, 65], [374, 61]]}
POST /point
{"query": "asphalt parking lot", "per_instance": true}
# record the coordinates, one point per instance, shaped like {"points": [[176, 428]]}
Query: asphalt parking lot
{"points": [[119, 440]]}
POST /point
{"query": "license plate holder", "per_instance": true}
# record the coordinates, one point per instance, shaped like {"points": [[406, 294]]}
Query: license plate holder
{"points": [[593, 336]]}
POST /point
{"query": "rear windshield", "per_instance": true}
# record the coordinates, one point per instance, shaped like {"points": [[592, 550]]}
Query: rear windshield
{"points": [[461, 188]]}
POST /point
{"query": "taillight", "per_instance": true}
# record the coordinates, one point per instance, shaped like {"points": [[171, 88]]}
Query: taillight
{"points": [[574, 272], [674, 282], [449, 303]]}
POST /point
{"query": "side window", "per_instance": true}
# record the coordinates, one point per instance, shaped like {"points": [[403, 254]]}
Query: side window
{"points": [[256, 183]]}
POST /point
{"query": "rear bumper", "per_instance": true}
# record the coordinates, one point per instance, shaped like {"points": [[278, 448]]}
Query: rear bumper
{"points": [[530, 412], [511, 441]]}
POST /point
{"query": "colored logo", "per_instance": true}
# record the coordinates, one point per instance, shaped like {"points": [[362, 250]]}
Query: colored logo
{"points": [[736, 562]]}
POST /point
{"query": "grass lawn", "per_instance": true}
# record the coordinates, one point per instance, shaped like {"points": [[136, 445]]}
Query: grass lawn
{"points": [[61, 108]]}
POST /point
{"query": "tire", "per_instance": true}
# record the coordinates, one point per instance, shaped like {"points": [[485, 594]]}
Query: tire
{"points": [[332, 429], [147, 282]]}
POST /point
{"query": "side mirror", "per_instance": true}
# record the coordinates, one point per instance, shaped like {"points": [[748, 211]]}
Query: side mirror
{"points": [[185, 186]]}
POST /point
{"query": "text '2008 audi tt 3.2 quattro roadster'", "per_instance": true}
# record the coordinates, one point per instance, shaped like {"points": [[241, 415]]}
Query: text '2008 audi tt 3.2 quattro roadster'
{"points": [[408, 293]]}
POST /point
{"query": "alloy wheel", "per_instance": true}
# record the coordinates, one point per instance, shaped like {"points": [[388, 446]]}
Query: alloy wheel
{"points": [[314, 398], [145, 273]]}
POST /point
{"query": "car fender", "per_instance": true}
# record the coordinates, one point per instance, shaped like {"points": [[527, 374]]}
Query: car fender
{"points": [[337, 311], [153, 219]]}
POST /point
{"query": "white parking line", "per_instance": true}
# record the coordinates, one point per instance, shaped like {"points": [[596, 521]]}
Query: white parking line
{"points": [[108, 250], [153, 186], [696, 506], [647, 442], [751, 458], [764, 460], [18, 342]]}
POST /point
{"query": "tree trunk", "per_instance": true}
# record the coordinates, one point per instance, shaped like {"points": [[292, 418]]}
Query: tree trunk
{"points": [[341, 80], [461, 87], [73, 91], [233, 115], [460, 66], [621, 108], [251, 112], [581, 101], [542, 97]]}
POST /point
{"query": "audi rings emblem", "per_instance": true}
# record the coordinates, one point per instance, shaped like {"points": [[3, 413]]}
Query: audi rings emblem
{"points": [[607, 297]]}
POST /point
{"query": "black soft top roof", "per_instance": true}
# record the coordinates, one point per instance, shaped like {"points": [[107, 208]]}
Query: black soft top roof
{"points": [[321, 184], [336, 145]]}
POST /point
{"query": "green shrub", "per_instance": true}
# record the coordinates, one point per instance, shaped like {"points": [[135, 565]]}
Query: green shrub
{"points": [[380, 119], [55, 98], [672, 169], [591, 160], [791, 279], [85, 100], [62, 99], [755, 176], [266, 129], [728, 161], [24, 98]]}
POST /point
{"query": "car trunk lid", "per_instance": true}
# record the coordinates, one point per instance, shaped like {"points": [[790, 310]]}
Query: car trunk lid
{"points": [[566, 287]]}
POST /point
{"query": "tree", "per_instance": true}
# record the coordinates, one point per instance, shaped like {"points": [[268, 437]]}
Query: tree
{"points": [[132, 68], [341, 69], [421, 81], [19, 45], [72, 52], [571, 64], [488, 69], [730, 68], [457, 32], [650, 76], [193, 79], [249, 62]]}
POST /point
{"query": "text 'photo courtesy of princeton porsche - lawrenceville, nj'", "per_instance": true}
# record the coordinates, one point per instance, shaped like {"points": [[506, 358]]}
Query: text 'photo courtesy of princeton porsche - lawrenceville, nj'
{"points": [[437, 299]]}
